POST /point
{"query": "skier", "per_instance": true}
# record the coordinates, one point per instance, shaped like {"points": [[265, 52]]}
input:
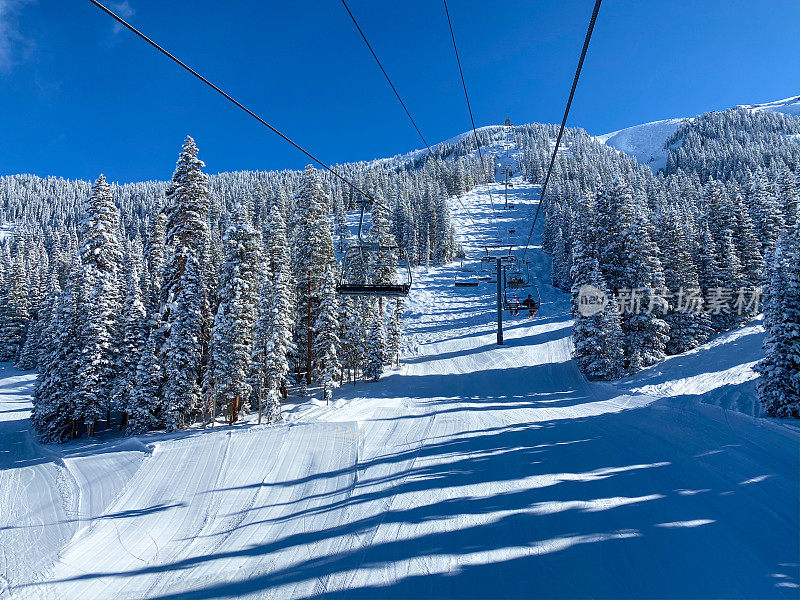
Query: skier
{"points": [[513, 305], [531, 305]]}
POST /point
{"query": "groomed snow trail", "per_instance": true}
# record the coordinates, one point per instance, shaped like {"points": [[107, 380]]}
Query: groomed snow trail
{"points": [[473, 471]]}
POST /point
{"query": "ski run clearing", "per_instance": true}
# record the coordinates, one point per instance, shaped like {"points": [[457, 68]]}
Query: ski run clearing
{"points": [[471, 471]]}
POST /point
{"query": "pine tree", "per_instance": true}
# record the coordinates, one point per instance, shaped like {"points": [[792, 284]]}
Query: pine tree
{"points": [[133, 340], [101, 257], [154, 255], [689, 325], [183, 289], [747, 246], [326, 335], [375, 351], [631, 267], [181, 351], [384, 262], [340, 223], [145, 408], [313, 252], [239, 284], [15, 313], [767, 212], [597, 338], [787, 188], [352, 335], [394, 333], [54, 409], [779, 385], [273, 330]]}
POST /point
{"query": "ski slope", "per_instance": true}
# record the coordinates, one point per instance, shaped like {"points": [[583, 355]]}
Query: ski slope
{"points": [[472, 471]]}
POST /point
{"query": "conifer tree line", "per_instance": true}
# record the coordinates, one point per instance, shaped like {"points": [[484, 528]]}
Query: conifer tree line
{"points": [[156, 305], [711, 244]]}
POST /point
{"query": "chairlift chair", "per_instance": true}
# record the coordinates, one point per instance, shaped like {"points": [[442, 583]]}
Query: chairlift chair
{"points": [[360, 252], [531, 305], [465, 277]]}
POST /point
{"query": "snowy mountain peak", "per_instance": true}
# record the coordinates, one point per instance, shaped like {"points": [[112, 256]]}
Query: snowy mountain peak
{"points": [[645, 142]]}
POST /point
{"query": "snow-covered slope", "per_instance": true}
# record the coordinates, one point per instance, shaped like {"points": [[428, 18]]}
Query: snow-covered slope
{"points": [[472, 471], [787, 106], [645, 142]]}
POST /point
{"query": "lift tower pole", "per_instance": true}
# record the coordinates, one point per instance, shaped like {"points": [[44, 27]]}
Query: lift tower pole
{"points": [[499, 302]]}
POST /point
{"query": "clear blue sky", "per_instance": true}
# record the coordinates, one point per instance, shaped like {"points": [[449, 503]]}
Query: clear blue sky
{"points": [[79, 97]]}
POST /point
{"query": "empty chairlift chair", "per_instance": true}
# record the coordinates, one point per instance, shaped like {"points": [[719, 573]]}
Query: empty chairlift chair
{"points": [[466, 277], [360, 258]]}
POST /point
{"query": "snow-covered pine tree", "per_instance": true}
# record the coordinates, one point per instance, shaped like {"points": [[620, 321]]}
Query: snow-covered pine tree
{"points": [[280, 343], [326, 335], [689, 325], [262, 347], [340, 223], [239, 283], [375, 351], [54, 411], [101, 257], [352, 335], [384, 262], [779, 385], [269, 366], [312, 253], [645, 334], [132, 341], [154, 256], [183, 290], [768, 214], [444, 247], [631, 267], [144, 409], [394, 333], [747, 246], [181, 352], [787, 188], [15, 313], [597, 338], [37, 267]]}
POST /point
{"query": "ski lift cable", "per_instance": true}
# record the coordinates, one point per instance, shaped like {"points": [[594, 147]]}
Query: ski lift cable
{"points": [[389, 81], [466, 96], [403, 104], [227, 96], [564, 120]]}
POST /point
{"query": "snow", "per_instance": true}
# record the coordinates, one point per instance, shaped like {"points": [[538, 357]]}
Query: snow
{"points": [[645, 142], [472, 471], [7, 230], [787, 106]]}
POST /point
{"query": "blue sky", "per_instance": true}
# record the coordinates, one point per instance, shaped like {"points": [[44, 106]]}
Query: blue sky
{"points": [[78, 96]]}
